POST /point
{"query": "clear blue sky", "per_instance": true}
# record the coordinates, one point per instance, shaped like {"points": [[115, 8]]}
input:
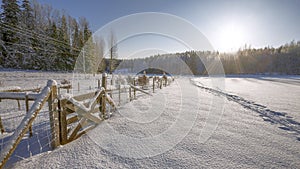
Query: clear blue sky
{"points": [[228, 24]]}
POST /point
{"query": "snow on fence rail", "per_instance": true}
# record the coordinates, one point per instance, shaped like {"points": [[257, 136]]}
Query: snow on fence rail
{"points": [[70, 117]]}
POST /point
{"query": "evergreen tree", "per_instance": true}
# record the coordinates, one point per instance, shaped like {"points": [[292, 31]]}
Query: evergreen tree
{"points": [[27, 24], [10, 20], [27, 19], [64, 61]]}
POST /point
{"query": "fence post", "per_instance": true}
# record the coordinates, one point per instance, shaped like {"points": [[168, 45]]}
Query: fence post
{"points": [[19, 105], [27, 109], [134, 91], [1, 126], [63, 122], [165, 79], [130, 94], [119, 94], [102, 100], [153, 84], [160, 83], [53, 114]]}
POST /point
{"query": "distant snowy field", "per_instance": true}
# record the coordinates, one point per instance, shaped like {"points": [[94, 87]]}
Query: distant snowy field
{"points": [[258, 127], [278, 93]]}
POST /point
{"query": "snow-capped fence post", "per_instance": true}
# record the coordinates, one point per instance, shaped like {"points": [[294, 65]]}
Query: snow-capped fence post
{"points": [[102, 103], [53, 114]]}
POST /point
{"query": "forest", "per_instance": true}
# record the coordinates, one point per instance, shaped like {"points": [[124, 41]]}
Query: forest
{"points": [[38, 37]]}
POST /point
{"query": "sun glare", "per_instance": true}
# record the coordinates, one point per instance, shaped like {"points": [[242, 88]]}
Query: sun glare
{"points": [[232, 37]]}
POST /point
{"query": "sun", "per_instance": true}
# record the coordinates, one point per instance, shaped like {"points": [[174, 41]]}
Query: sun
{"points": [[232, 37]]}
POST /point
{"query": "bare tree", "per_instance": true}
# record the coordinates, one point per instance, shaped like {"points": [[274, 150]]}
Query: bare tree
{"points": [[100, 45], [113, 50]]}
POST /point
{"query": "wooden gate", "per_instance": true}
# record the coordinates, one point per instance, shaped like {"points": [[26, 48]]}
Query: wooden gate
{"points": [[79, 114]]}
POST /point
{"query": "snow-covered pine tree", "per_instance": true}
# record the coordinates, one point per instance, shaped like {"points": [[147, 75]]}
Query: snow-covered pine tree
{"points": [[63, 62], [27, 24], [9, 22]]}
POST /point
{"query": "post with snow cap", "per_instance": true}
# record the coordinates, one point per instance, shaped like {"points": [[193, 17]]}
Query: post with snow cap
{"points": [[102, 100], [53, 114]]}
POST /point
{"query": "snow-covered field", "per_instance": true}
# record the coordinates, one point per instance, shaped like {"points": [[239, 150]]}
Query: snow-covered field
{"points": [[252, 123], [280, 94]]}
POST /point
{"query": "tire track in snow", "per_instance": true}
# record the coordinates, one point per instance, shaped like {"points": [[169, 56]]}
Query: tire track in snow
{"points": [[268, 115]]}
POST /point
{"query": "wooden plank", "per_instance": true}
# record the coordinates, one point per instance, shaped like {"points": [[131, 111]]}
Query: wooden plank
{"points": [[72, 120], [70, 106], [88, 116], [10, 89], [79, 134], [84, 96], [74, 132], [68, 111], [75, 118], [37, 90], [95, 110], [110, 101], [64, 86], [138, 89], [18, 95]]}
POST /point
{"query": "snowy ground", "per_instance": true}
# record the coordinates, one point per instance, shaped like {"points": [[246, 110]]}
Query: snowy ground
{"points": [[181, 126], [280, 94]]}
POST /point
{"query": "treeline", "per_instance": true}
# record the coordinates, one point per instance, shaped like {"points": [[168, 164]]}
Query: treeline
{"points": [[282, 60], [35, 36]]}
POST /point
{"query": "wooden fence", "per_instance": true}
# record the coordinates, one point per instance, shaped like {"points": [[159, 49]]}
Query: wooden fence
{"points": [[71, 117]]}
